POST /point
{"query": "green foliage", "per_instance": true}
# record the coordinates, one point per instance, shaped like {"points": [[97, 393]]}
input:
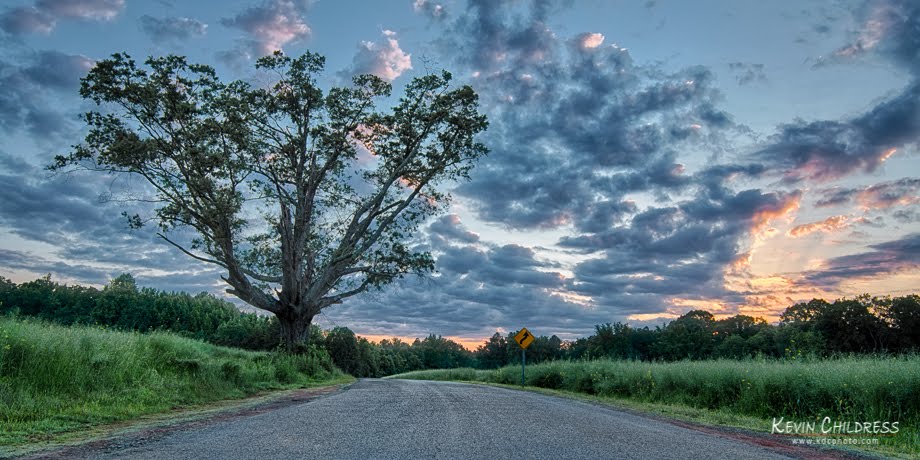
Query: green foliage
{"points": [[903, 316], [122, 305], [690, 336], [342, 345], [55, 378], [361, 358], [864, 325], [436, 352], [493, 353]]}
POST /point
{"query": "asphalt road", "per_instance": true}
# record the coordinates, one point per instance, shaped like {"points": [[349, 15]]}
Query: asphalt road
{"points": [[396, 419]]}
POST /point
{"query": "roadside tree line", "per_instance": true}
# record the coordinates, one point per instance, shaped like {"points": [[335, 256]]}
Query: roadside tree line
{"points": [[817, 328]]}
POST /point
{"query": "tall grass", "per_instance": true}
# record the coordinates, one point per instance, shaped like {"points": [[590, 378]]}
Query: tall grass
{"points": [[856, 389], [55, 378]]}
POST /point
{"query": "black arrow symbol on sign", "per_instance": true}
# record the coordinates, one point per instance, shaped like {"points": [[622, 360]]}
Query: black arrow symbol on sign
{"points": [[524, 338]]}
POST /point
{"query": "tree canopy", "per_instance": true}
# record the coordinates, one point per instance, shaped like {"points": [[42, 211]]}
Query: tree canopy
{"points": [[303, 197]]}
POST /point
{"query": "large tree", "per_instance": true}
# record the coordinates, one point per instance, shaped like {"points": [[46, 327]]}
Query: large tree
{"points": [[304, 198]]}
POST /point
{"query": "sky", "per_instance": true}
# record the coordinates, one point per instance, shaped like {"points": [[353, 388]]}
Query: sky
{"points": [[647, 158]]}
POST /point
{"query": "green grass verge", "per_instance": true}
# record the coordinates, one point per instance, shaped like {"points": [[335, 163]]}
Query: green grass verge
{"points": [[55, 379], [745, 394]]}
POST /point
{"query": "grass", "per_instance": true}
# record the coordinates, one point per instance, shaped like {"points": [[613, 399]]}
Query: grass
{"points": [[55, 379], [746, 394]]}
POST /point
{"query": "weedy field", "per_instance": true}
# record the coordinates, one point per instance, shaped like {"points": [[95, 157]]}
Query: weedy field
{"points": [[852, 389], [55, 379]]}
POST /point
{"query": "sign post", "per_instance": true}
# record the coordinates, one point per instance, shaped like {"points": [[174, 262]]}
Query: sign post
{"points": [[524, 338]]}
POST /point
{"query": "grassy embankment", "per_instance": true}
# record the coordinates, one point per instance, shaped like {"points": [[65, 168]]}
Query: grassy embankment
{"points": [[56, 379], [746, 394]]}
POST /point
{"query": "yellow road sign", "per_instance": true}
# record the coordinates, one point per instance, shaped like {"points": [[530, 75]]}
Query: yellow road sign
{"points": [[524, 338]]}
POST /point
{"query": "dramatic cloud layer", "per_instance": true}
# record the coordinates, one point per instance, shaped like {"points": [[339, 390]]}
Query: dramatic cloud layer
{"points": [[577, 128], [626, 180], [830, 149], [826, 150]]}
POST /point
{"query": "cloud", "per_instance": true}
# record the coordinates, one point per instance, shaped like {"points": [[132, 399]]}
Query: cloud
{"points": [[91, 272], [898, 25], [464, 307], [51, 210], [172, 29], [871, 33], [24, 20], [907, 216], [491, 35], [889, 194], [57, 70], [590, 40], [236, 57], [681, 250], [42, 18], [901, 192], [887, 258], [829, 225], [582, 139], [889, 28], [475, 291], [92, 241], [574, 129], [478, 288], [271, 25], [18, 260], [449, 228], [25, 103], [746, 73], [99, 10], [430, 9], [827, 150], [385, 59]]}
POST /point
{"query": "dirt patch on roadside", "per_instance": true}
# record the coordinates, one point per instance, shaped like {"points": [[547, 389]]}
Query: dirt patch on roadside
{"points": [[138, 432]]}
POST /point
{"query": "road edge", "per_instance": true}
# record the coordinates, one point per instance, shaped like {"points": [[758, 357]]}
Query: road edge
{"points": [[747, 436], [141, 430]]}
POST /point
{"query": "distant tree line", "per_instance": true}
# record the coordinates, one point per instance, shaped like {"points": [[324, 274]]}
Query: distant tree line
{"points": [[123, 305], [815, 328]]}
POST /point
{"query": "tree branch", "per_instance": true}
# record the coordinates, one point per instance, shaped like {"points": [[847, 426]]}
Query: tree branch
{"points": [[190, 254], [248, 272]]}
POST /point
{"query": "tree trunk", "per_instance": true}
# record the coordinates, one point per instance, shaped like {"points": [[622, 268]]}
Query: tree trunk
{"points": [[295, 331]]}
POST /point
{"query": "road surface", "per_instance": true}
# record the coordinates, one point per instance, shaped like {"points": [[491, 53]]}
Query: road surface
{"points": [[396, 419]]}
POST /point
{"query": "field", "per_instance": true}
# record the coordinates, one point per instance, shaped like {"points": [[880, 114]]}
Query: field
{"points": [[857, 389], [56, 379]]}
